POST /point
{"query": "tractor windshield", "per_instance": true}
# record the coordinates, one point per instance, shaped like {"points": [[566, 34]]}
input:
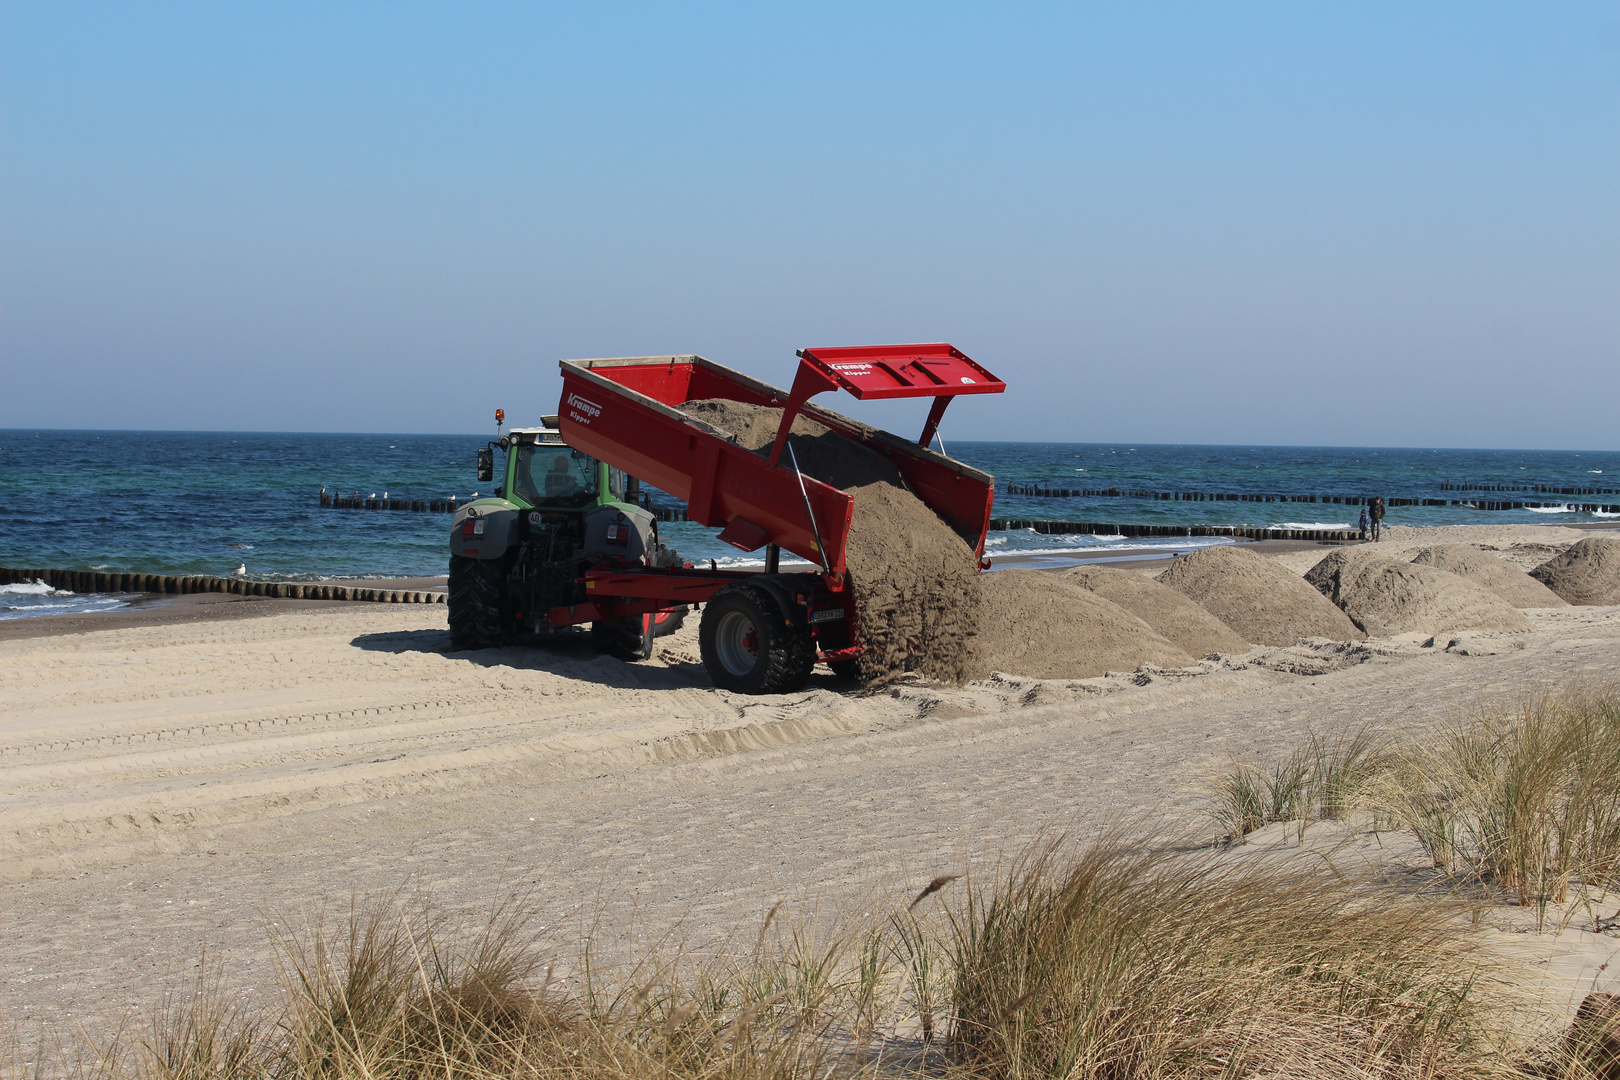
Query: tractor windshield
{"points": [[554, 476]]}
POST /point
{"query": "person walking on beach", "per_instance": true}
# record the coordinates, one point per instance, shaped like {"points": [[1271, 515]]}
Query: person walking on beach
{"points": [[1362, 525], [1377, 514]]}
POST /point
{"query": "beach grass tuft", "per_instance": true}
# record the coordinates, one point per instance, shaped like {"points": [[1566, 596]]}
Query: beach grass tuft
{"points": [[1325, 778], [1124, 962], [1522, 796]]}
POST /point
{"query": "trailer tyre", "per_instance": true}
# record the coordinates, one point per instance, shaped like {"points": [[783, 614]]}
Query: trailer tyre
{"points": [[747, 646], [476, 597], [846, 669]]}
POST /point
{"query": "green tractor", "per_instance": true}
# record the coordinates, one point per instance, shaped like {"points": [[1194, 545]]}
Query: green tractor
{"points": [[519, 557]]}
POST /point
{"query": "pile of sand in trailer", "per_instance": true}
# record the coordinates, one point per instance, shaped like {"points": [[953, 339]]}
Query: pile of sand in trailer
{"points": [[1587, 573], [1171, 614], [1261, 601], [1384, 596], [916, 581], [1496, 576], [1035, 623]]}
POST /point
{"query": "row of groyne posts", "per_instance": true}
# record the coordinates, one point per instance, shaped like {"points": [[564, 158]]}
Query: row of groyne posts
{"points": [[92, 581], [1064, 528], [1039, 491], [357, 502], [451, 505]]}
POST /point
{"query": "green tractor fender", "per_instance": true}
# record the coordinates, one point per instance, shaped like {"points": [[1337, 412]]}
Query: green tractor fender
{"points": [[484, 529]]}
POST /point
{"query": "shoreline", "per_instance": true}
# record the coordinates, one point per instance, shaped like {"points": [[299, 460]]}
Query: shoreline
{"points": [[150, 609], [155, 609]]}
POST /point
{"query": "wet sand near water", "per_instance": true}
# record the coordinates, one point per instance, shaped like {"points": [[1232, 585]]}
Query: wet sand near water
{"points": [[153, 610]]}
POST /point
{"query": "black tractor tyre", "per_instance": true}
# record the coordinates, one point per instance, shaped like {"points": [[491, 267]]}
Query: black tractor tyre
{"points": [[477, 603], [747, 645], [630, 637]]}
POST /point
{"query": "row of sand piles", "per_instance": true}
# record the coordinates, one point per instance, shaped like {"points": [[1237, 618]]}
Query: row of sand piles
{"points": [[1384, 596], [924, 608], [1452, 587], [1222, 599], [1261, 601]]}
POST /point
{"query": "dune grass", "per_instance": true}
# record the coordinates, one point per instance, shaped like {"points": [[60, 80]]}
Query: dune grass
{"points": [[1124, 963], [1324, 778], [1108, 960], [1522, 797], [1525, 796]]}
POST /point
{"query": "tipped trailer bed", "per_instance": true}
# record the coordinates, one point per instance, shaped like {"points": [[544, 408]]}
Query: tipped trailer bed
{"points": [[763, 631]]}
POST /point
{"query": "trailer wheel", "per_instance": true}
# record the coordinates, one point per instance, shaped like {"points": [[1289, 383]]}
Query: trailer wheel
{"points": [[629, 638], [846, 669], [476, 601], [747, 646]]}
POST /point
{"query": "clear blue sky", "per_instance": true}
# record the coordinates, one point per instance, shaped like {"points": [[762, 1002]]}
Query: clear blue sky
{"points": [[1365, 224]]}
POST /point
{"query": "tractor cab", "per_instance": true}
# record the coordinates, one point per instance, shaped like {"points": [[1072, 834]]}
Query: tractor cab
{"points": [[557, 512], [544, 473]]}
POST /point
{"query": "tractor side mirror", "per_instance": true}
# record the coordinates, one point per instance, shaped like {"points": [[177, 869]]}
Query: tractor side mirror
{"points": [[486, 464]]}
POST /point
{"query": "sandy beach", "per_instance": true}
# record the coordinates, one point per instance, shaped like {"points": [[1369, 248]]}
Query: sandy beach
{"points": [[175, 784]]}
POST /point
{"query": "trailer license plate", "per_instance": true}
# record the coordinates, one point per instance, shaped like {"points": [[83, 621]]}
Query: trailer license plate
{"points": [[827, 614]]}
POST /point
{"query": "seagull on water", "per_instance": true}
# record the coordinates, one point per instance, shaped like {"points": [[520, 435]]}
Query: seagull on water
{"points": [[240, 571]]}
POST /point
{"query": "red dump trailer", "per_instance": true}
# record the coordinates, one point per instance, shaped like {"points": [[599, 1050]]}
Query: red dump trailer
{"points": [[762, 632]]}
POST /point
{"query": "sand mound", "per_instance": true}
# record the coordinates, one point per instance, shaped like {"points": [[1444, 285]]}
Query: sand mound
{"points": [[1494, 575], [1587, 573], [1386, 597], [916, 581], [1035, 623], [1261, 601], [1171, 614]]}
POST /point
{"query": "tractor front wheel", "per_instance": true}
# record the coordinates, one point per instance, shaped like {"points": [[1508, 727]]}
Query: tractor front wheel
{"points": [[747, 646]]}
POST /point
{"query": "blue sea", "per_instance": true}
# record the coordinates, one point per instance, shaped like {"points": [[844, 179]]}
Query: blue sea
{"points": [[210, 502]]}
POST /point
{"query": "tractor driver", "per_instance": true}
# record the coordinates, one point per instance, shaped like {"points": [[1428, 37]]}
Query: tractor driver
{"points": [[560, 481]]}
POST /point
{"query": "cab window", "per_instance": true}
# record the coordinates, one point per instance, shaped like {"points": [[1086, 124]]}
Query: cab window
{"points": [[555, 476]]}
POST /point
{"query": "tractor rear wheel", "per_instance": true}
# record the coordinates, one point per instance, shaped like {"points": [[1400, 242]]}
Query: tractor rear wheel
{"points": [[477, 603], [667, 622], [630, 638], [747, 646]]}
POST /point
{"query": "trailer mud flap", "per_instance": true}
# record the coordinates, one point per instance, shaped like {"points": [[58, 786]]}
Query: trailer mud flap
{"points": [[744, 534]]}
